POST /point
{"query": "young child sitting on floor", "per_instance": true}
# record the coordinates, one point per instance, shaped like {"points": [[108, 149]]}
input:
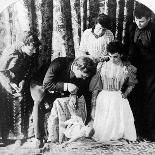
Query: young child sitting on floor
{"points": [[76, 128]]}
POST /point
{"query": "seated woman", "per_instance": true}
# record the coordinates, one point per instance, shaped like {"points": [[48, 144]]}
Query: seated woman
{"points": [[113, 116], [94, 40]]}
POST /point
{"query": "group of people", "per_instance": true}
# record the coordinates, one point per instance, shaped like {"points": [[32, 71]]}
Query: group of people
{"points": [[89, 96]]}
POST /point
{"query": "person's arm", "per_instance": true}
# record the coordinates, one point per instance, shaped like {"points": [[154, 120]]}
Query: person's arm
{"points": [[11, 68], [84, 90], [19, 64], [109, 37], [12, 62], [83, 45], [93, 103], [50, 82], [132, 80]]}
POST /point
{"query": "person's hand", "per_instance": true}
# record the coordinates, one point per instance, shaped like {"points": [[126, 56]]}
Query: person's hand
{"points": [[15, 87], [47, 106], [21, 84], [11, 74], [124, 95], [72, 88]]}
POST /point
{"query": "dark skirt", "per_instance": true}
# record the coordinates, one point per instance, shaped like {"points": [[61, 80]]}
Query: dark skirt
{"points": [[145, 104]]}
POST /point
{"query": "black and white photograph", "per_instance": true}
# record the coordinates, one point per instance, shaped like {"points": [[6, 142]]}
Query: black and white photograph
{"points": [[77, 77]]}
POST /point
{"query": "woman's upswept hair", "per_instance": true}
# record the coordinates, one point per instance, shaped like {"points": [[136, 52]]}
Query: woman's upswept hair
{"points": [[115, 46], [104, 20], [142, 11], [85, 64]]}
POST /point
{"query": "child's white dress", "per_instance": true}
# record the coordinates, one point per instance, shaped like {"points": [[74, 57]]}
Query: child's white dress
{"points": [[74, 126], [113, 116]]}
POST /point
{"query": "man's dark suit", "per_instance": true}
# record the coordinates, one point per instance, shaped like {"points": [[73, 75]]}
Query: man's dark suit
{"points": [[60, 72]]}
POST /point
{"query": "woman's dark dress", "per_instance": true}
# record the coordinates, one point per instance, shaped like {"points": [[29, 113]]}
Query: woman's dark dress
{"points": [[142, 55]]}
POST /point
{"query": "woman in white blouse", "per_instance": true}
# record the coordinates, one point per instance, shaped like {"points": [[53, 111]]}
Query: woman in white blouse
{"points": [[113, 117], [94, 40]]}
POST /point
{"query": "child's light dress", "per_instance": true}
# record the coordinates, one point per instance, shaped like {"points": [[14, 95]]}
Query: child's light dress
{"points": [[75, 127]]}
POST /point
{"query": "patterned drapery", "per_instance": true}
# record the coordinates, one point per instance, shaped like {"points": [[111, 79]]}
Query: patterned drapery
{"points": [[59, 24]]}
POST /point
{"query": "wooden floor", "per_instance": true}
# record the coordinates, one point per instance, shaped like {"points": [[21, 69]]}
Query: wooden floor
{"points": [[87, 147]]}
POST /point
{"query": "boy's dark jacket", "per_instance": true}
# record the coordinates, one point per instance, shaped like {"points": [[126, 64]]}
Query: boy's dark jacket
{"points": [[17, 63]]}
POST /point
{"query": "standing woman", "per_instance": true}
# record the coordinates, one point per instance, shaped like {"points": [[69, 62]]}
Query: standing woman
{"points": [[113, 116], [94, 40]]}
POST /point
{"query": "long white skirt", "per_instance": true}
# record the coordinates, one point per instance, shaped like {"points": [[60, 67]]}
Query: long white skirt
{"points": [[113, 118]]}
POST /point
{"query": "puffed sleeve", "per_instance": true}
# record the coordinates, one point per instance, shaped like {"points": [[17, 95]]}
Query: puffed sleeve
{"points": [[132, 75], [109, 36], [50, 82], [12, 61], [96, 81]]}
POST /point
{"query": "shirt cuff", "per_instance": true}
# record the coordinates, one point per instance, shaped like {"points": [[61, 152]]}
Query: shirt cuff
{"points": [[65, 86]]}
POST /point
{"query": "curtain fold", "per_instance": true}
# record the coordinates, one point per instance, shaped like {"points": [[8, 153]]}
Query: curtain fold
{"points": [[111, 7], [119, 19], [59, 24], [76, 23]]}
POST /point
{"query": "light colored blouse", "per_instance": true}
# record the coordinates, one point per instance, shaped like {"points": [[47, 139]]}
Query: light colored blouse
{"points": [[92, 46], [113, 76]]}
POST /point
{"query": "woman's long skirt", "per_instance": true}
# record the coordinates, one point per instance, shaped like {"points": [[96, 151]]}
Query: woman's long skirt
{"points": [[145, 104], [113, 117]]}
